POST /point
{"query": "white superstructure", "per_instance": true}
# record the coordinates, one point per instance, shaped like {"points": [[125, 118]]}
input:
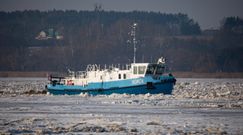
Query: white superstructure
{"points": [[94, 73]]}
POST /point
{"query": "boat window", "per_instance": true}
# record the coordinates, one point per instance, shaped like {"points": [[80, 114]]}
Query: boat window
{"points": [[135, 70], [119, 76], [155, 69], [124, 76], [160, 70], [141, 69], [150, 69]]}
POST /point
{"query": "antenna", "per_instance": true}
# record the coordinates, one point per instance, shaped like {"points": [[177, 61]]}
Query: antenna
{"points": [[134, 41]]}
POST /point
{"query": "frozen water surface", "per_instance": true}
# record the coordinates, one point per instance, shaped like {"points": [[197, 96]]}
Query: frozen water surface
{"points": [[197, 106]]}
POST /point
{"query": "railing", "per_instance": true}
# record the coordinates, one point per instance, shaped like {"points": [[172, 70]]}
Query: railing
{"points": [[94, 67], [81, 74]]}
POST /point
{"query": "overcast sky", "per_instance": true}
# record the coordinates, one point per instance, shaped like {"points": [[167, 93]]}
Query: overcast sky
{"points": [[208, 13]]}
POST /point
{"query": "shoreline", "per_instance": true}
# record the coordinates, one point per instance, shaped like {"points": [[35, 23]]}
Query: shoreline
{"points": [[41, 74], [208, 75], [6, 74]]}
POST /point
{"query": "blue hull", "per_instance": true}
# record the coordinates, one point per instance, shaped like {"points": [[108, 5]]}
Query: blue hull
{"points": [[148, 85]]}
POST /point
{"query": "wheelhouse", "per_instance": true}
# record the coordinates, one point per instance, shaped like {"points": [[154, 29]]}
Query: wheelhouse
{"points": [[139, 69], [155, 69], [142, 69]]}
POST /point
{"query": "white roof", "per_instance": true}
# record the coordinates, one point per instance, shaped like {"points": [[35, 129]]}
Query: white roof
{"points": [[139, 64]]}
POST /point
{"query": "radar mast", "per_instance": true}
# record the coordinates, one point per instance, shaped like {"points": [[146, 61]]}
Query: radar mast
{"points": [[134, 41]]}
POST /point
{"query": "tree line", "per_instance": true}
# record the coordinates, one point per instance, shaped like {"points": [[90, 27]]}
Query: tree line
{"points": [[101, 37]]}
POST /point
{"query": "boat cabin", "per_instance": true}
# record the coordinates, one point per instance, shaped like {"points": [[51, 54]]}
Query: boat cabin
{"points": [[142, 69], [138, 69]]}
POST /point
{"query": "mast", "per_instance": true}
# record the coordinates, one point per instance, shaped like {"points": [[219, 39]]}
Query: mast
{"points": [[134, 41]]}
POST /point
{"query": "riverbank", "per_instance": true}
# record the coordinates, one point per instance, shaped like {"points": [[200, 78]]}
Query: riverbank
{"points": [[176, 74]]}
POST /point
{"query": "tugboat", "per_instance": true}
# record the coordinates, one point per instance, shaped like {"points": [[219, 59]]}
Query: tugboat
{"points": [[136, 78]]}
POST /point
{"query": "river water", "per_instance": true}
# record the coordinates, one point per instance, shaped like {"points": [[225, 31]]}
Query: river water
{"points": [[197, 106]]}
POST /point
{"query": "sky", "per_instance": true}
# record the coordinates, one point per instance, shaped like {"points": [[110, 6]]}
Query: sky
{"points": [[208, 13]]}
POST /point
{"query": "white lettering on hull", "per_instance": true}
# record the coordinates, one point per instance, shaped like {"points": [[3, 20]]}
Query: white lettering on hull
{"points": [[138, 81]]}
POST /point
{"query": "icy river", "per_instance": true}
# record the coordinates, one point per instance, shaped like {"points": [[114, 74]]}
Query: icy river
{"points": [[197, 106]]}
